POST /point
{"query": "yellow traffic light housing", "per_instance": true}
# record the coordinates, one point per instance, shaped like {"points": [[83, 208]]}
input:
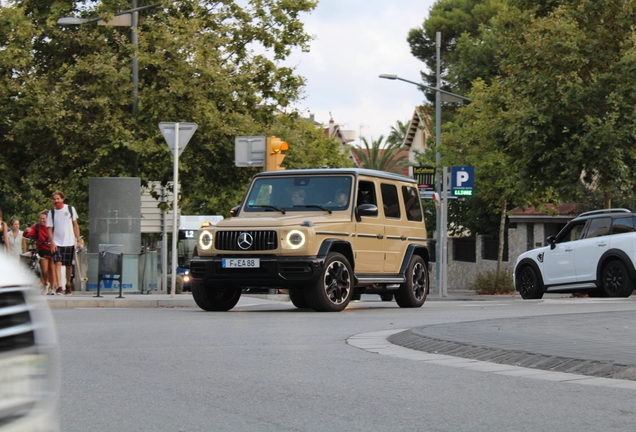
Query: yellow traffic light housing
{"points": [[274, 156]]}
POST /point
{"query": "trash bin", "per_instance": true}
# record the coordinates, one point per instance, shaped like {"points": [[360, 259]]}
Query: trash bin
{"points": [[110, 259], [110, 263]]}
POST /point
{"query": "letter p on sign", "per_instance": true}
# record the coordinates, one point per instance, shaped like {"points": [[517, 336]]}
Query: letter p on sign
{"points": [[462, 177]]}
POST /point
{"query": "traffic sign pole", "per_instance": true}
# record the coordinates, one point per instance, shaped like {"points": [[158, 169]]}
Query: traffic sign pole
{"points": [[177, 136], [175, 228]]}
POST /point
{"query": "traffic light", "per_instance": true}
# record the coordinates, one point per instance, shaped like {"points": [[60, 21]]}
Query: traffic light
{"points": [[274, 153]]}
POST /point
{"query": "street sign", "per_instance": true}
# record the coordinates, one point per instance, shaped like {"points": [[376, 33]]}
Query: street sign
{"points": [[249, 151], [168, 130], [462, 181]]}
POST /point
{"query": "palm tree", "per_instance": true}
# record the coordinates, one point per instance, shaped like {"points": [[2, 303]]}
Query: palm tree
{"points": [[374, 156], [398, 133]]}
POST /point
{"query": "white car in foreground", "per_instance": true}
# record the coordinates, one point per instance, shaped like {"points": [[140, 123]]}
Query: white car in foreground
{"points": [[595, 253], [29, 357]]}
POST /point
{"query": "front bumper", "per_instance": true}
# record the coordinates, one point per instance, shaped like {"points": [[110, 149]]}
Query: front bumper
{"points": [[274, 271]]}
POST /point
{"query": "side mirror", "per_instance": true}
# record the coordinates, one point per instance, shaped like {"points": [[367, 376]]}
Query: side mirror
{"points": [[367, 210], [551, 241], [234, 211]]}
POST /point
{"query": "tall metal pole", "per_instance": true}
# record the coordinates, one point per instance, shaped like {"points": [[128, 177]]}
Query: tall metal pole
{"points": [[175, 228], [439, 259], [135, 64]]}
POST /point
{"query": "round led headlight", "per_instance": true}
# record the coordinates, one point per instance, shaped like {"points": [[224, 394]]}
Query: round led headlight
{"points": [[295, 239], [205, 240]]}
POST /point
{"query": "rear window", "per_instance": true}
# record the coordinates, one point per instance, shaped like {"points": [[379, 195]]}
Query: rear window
{"points": [[623, 225], [412, 203], [599, 227]]}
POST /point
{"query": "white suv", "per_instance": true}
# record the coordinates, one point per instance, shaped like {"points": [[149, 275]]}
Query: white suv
{"points": [[594, 253]]}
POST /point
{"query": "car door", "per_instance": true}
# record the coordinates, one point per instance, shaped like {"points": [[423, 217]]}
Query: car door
{"points": [[589, 249], [558, 261], [369, 240], [395, 229]]}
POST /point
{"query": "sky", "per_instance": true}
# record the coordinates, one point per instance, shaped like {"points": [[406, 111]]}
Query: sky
{"points": [[356, 41]]}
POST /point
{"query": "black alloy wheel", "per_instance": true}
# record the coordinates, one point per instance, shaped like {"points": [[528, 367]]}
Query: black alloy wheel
{"points": [[334, 289], [528, 284], [616, 280], [413, 292]]}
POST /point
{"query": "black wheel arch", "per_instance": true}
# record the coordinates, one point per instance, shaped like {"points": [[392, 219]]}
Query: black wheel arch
{"points": [[529, 262], [337, 245], [610, 255], [414, 249]]}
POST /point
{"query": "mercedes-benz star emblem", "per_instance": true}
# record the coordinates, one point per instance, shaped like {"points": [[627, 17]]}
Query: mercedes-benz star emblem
{"points": [[245, 241]]}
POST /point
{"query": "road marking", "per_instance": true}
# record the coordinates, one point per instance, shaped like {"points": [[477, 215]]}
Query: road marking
{"points": [[376, 342]]}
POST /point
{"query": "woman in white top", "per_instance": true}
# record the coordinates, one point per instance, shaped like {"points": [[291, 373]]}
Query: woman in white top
{"points": [[17, 242]]}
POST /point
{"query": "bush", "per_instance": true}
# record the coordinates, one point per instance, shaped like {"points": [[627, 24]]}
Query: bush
{"points": [[179, 286], [487, 283]]}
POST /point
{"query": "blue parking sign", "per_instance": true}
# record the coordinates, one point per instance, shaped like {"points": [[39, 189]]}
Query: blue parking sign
{"points": [[462, 181]]}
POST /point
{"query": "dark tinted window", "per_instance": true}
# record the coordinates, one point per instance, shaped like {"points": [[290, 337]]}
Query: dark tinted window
{"points": [[390, 201], [571, 232], [412, 203], [366, 193], [599, 227], [623, 225]]}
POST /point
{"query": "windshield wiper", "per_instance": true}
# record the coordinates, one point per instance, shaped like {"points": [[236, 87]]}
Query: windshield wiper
{"points": [[315, 206], [271, 207]]}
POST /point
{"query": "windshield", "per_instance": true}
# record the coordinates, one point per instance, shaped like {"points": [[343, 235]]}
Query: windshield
{"points": [[299, 193]]}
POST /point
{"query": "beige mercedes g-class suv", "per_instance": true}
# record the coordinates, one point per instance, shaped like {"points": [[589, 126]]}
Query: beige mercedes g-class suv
{"points": [[326, 235]]}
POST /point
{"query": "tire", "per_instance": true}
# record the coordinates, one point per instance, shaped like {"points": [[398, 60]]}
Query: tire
{"points": [[616, 280], [386, 297], [298, 298], [333, 291], [413, 292], [528, 284], [216, 298]]}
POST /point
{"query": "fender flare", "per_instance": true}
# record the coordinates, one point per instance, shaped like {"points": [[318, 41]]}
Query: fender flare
{"points": [[527, 261], [341, 246], [414, 249], [608, 256]]}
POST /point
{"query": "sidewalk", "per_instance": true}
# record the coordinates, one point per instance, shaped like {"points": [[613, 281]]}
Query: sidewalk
{"points": [[87, 299]]}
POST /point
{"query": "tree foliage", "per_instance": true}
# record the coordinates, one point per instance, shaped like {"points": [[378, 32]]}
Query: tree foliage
{"points": [[68, 94], [376, 156]]}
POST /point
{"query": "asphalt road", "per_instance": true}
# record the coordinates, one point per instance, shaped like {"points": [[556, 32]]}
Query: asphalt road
{"points": [[266, 366]]}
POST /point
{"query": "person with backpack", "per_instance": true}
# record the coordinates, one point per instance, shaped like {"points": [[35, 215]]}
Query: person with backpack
{"points": [[4, 235], [40, 234], [64, 233]]}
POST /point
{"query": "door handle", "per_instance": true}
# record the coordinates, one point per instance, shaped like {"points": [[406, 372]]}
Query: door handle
{"points": [[380, 236], [568, 250]]}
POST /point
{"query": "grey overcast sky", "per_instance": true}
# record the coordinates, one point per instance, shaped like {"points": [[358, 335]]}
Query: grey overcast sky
{"points": [[355, 41]]}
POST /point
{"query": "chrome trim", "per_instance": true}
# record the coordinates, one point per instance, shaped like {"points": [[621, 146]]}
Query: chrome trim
{"points": [[417, 239], [375, 236], [333, 233], [394, 237]]}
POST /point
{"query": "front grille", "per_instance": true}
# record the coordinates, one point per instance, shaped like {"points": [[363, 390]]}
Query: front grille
{"points": [[16, 328], [261, 240]]}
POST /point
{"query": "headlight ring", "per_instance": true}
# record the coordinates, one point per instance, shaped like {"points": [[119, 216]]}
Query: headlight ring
{"points": [[295, 239], [205, 240]]}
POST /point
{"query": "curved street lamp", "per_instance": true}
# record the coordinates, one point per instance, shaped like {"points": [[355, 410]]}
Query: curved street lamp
{"points": [[440, 225]]}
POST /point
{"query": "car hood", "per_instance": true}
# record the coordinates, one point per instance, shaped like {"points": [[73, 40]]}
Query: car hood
{"points": [[306, 218]]}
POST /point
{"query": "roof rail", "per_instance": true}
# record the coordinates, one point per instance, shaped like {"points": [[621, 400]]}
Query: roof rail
{"points": [[612, 210]]}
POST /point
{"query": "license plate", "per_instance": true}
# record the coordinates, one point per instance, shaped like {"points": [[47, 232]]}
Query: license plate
{"points": [[241, 262]]}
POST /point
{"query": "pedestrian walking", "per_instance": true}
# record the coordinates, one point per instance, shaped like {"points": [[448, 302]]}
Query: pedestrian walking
{"points": [[40, 234], [17, 243], [4, 235], [64, 234]]}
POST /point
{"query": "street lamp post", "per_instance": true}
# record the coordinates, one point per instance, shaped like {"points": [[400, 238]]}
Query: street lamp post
{"points": [[445, 96], [127, 18]]}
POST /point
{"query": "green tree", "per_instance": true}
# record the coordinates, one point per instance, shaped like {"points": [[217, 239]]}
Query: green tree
{"points": [[397, 135], [392, 158], [569, 82], [68, 93]]}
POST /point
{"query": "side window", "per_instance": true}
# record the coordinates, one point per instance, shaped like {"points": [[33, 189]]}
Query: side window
{"points": [[412, 203], [366, 193], [571, 232], [599, 227], [390, 201], [623, 225]]}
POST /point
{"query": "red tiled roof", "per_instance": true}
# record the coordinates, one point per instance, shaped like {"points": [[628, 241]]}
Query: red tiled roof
{"points": [[569, 209]]}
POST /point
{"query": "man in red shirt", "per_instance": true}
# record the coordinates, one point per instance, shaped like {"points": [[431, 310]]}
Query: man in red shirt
{"points": [[40, 234]]}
